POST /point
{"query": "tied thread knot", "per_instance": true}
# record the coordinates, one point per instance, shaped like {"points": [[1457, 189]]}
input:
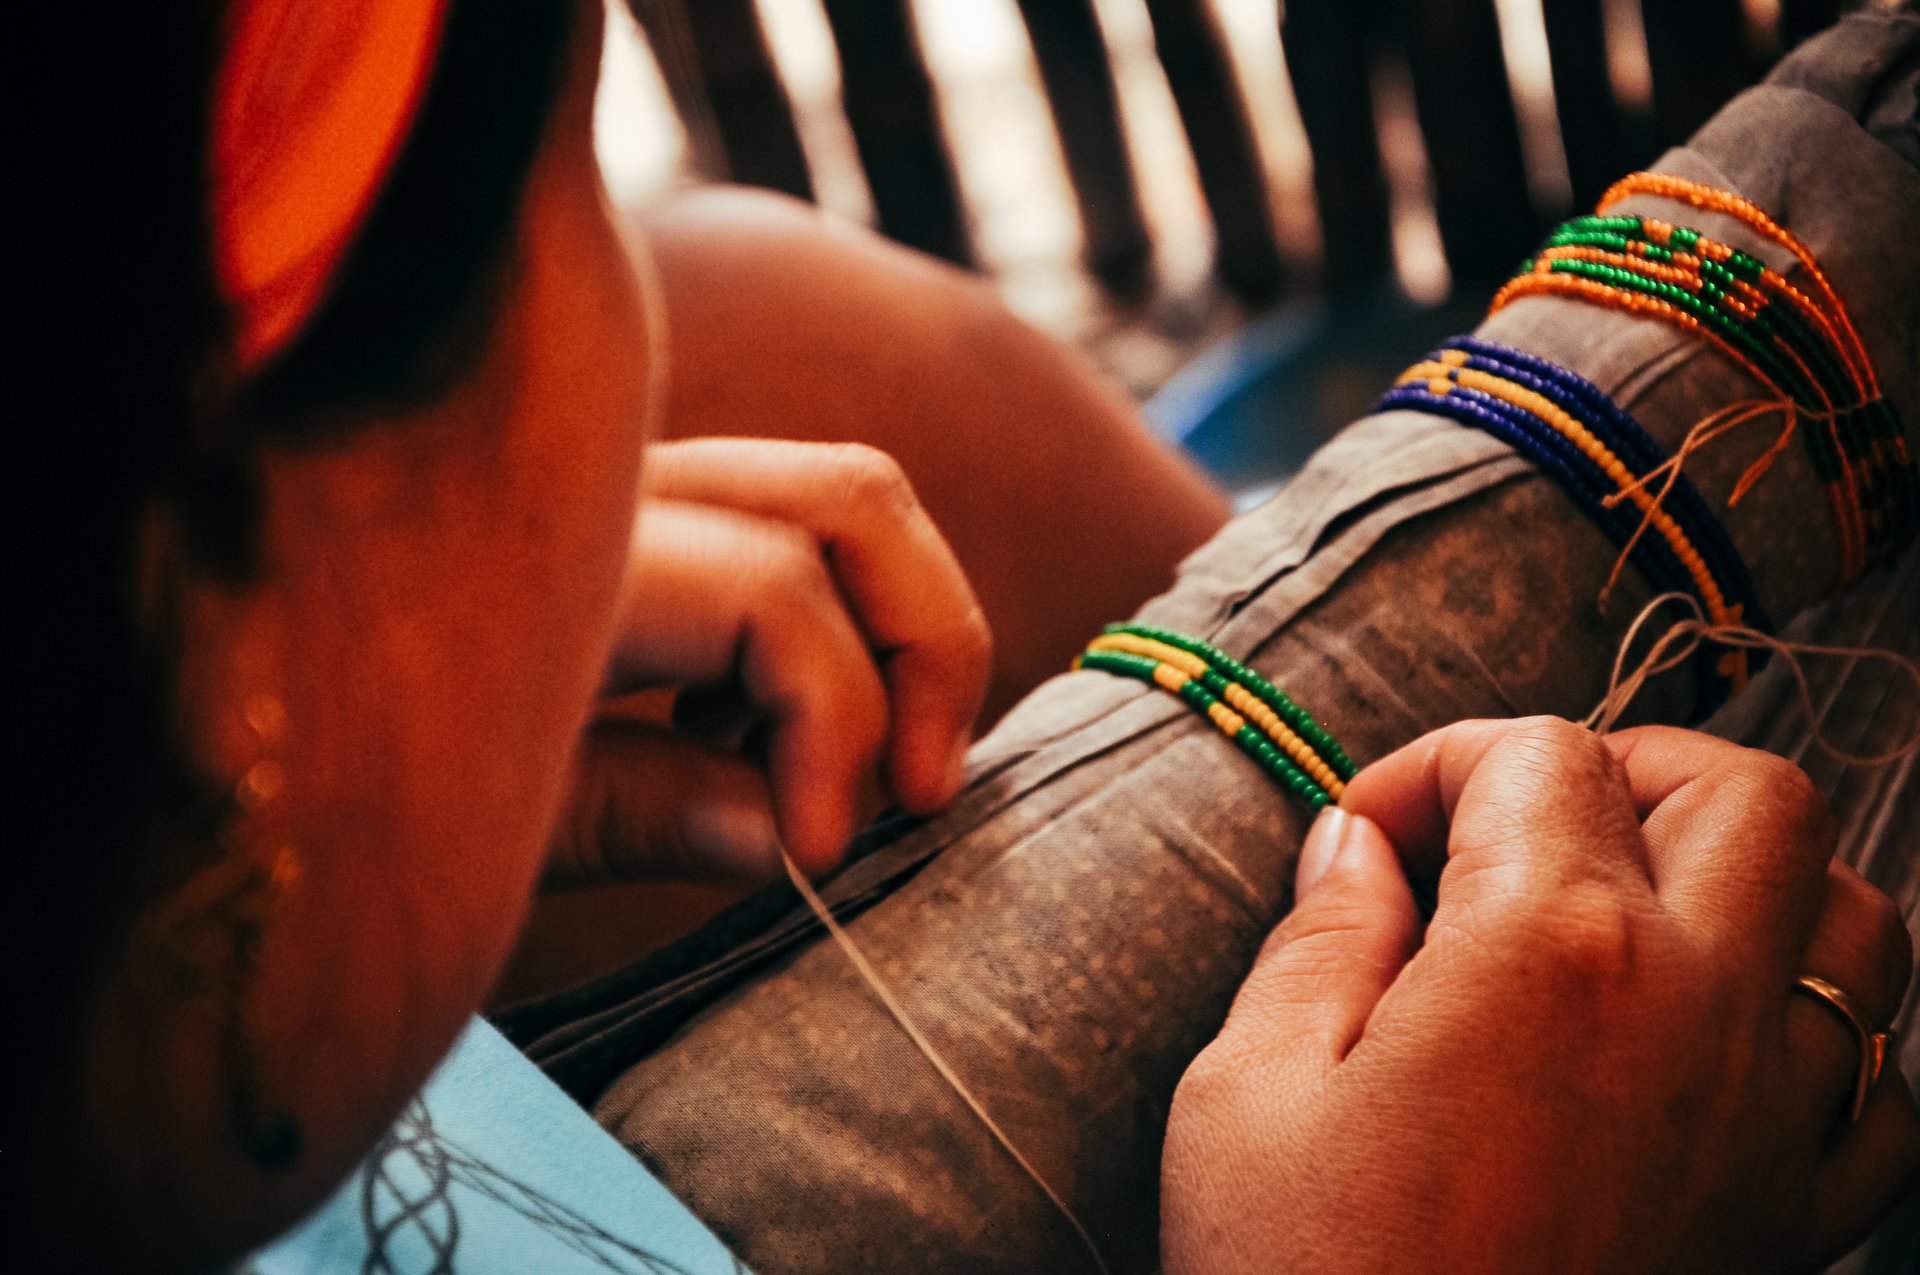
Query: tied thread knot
{"points": [[1684, 637]]}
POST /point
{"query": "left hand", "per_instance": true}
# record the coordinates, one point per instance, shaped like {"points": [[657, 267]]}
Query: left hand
{"points": [[825, 647]]}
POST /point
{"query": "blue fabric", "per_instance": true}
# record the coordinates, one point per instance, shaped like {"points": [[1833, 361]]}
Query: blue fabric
{"points": [[492, 1169]]}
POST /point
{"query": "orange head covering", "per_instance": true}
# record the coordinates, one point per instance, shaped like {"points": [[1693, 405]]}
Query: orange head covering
{"points": [[313, 103]]}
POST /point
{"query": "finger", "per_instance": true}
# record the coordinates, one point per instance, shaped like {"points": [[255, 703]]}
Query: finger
{"points": [[1860, 945], [1411, 792], [1352, 929], [1874, 1164], [906, 587], [649, 804], [1738, 839], [1508, 808], [713, 595]]}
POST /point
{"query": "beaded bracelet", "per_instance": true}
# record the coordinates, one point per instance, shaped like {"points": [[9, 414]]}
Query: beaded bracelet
{"points": [[1234, 695], [1295, 716], [1296, 751], [1795, 344], [1894, 456], [1803, 346], [1643, 456], [1601, 457]]}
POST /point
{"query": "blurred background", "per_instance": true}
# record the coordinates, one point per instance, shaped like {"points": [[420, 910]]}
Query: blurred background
{"points": [[1249, 213]]}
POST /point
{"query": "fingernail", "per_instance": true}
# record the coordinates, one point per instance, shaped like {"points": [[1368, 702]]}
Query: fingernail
{"points": [[1322, 847], [736, 839]]}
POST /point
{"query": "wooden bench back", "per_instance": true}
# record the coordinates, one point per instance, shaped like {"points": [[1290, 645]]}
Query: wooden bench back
{"points": [[725, 84]]}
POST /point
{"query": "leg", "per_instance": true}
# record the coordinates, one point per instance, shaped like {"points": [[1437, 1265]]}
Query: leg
{"points": [[1064, 510]]}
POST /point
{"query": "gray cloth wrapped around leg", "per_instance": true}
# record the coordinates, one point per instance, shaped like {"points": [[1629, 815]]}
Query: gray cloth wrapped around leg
{"points": [[1070, 932]]}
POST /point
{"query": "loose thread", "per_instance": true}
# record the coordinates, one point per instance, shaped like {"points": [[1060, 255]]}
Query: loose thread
{"points": [[1711, 428], [925, 1046], [1677, 645]]}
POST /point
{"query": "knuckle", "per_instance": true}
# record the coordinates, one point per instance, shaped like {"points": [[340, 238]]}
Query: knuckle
{"points": [[1769, 795], [1789, 784], [1217, 1080], [1784, 786], [1565, 741], [1551, 749], [1323, 947], [1884, 930], [973, 637], [792, 568], [1579, 936], [871, 480]]}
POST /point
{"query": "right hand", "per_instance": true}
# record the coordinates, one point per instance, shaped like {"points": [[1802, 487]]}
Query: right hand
{"points": [[1591, 1060]]}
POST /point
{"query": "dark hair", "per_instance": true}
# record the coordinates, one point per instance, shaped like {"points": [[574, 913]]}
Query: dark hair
{"points": [[116, 412]]}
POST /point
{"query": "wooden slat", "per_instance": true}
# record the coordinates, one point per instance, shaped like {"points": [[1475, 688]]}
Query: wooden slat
{"points": [[1325, 42], [669, 35], [890, 106], [1086, 111], [1802, 18], [1487, 221], [1592, 129], [1700, 56], [1193, 52], [742, 88]]}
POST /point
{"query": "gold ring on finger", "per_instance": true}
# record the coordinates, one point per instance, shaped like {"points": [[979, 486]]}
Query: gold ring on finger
{"points": [[1874, 1045]]}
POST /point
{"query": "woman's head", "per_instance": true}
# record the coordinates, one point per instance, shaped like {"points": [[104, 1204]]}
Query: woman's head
{"points": [[404, 531]]}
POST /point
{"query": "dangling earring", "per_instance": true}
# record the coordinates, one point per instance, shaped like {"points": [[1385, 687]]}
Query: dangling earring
{"points": [[206, 937]]}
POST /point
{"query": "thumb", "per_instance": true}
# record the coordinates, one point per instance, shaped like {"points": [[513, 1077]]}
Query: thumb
{"points": [[650, 803], [1352, 929]]}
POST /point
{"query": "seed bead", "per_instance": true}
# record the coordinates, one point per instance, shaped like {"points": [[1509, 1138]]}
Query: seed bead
{"points": [[1295, 716], [1196, 696], [1237, 696]]}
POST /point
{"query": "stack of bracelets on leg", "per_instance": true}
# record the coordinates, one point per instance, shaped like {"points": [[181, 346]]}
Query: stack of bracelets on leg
{"points": [[1296, 751], [1804, 347], [1601, 457]]}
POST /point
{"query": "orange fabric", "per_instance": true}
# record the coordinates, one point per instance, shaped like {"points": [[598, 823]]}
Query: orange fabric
{"points": [[312, 105]]}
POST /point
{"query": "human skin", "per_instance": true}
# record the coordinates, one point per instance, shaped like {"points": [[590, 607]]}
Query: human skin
{"points": [[1061, 506], [432, 606], [436, 597], [1586, 1062], [1062, 509], [1388, 613], [439, 602]]}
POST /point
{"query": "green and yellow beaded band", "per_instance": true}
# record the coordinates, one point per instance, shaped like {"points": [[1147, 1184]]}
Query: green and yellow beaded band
{"points": [[1296, 751]]}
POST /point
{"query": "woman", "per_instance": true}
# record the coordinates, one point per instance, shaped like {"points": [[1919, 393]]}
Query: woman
{"points": [[359, 553]]}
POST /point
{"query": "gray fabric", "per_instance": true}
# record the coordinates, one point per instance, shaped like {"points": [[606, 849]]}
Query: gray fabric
{"points": [[1071, 931]]}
